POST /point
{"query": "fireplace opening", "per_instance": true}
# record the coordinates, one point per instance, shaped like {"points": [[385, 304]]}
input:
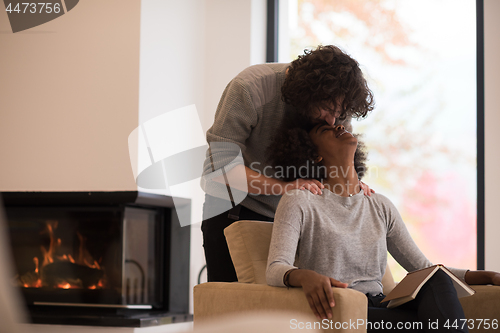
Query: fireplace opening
{"points": [[100, 254]]}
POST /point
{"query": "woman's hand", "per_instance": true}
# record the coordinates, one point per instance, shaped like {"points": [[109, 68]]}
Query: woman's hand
{"points": [[482, 277], [318, 290], [496, 279], [313, 185], [368, 191]]}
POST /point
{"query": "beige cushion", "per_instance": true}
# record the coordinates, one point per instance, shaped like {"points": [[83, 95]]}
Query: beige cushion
{"points": [[484, 304], [248, 243]]}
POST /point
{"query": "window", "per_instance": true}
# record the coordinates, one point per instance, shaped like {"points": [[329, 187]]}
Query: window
{"points": [[419, 57]]}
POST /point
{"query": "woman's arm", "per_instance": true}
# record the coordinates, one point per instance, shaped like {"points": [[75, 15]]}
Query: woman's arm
{"points": [[280, 269], [406, 252], [284, 239], [318, 290], [400, 244]]}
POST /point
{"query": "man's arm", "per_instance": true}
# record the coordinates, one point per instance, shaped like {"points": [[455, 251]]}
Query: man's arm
{"points": [[245, 179]]}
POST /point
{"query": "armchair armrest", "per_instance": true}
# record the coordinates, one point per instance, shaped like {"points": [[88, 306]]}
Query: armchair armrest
{"points": [[484, 304], [214, 299]]}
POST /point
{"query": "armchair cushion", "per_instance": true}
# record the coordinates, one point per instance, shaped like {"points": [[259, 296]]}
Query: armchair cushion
{"points": [[248, 243], [484, 306]]}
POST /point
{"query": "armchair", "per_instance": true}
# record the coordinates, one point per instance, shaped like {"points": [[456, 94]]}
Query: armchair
{"points": [[248, 243]]}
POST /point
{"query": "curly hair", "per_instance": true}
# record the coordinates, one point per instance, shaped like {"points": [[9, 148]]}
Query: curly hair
{"points": [[293, 152], [318, 78]]}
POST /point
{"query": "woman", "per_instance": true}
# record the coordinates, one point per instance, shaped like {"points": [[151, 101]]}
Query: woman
{"points": [[341, 237]]}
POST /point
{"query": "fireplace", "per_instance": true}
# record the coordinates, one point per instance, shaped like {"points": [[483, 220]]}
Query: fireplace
{"points": [[100, 258]]}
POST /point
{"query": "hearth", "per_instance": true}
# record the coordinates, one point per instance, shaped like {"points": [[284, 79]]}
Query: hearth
{"points": [[100, 258]]}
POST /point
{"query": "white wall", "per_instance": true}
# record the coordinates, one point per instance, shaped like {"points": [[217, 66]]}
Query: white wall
{"points": [[190, 50], [235, 39], [172, 56], [69, 99], [171, 77], [492, 133]]}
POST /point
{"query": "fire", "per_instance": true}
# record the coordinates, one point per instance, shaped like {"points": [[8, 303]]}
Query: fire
{"points": [[54, 263], [35, 260]]}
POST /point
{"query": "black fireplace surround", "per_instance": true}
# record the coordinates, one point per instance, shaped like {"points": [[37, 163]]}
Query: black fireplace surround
{"points": [[100, 258]]}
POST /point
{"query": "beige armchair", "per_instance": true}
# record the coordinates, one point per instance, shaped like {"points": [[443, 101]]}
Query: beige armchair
{"points": [[248, 243]]}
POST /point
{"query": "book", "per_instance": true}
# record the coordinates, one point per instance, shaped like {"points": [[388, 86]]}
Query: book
{"points": [[408, 288]]}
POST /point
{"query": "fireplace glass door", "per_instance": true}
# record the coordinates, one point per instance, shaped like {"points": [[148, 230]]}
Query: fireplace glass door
{"points": [[88, 256]]}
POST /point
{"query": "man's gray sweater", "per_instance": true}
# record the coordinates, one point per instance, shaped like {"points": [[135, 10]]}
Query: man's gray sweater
{"points": [[346, 238], [249, 112]]}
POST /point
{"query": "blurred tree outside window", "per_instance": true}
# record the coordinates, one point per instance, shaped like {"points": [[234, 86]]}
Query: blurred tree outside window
{"points": [[419, 58]]}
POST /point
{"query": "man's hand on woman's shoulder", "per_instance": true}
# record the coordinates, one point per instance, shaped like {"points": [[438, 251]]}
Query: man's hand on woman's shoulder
{"points": [[313, 185], [366, 189]]}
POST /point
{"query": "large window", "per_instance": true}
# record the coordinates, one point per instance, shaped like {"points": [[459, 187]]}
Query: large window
{"points": [[419, 57]]}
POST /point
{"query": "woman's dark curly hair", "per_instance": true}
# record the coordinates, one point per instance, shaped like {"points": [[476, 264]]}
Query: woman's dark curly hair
{"points": [[292, 152], [318, 78]]}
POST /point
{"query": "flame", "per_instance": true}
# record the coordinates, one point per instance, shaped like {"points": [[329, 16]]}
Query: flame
{"points": [[35, 260], [84, 258], [68, 285]]}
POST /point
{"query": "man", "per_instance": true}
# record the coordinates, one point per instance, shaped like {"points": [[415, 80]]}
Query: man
{"points": [[325, 84]]}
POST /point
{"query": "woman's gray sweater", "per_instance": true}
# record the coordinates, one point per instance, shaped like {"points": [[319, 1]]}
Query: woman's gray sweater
{"points": [[346, 238]]}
